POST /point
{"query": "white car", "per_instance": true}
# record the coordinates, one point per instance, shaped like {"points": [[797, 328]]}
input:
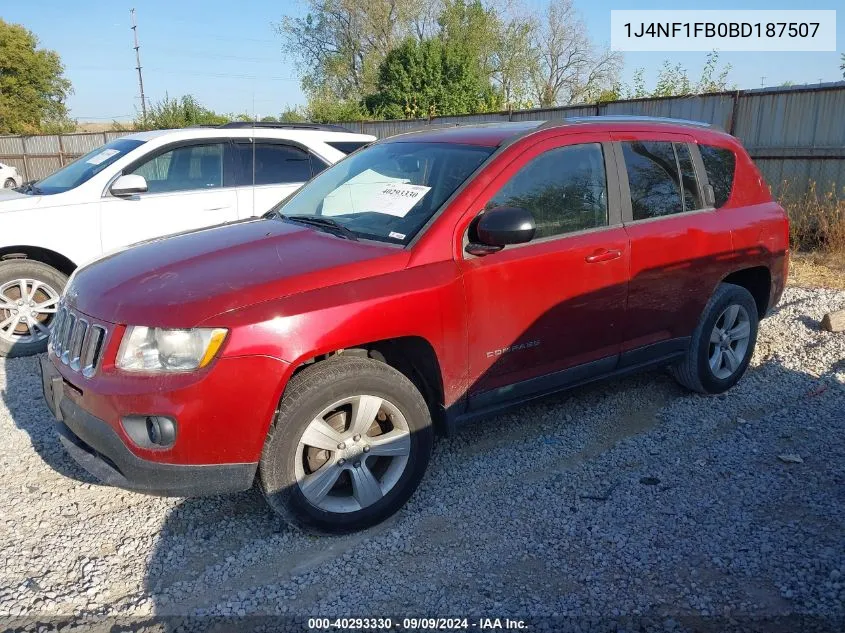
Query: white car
{"points": [[9, 177], [138, 187]]}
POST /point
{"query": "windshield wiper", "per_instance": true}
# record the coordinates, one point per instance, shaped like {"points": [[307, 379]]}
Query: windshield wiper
{"points": [[321, 222], [29, 187]]}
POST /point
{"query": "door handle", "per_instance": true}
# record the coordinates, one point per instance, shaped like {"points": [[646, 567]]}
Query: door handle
{"points": [[603, 255], [225, 206]]}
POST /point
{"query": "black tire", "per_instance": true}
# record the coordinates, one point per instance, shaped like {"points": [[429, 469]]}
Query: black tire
{"points": [[11, 270], [307, 395], [694, 371], [10, 183]]}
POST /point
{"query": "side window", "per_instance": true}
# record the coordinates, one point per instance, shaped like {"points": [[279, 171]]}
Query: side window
{"points": [[692, 195], [565, 189], [719, 163], [652, 179], [274, 164], [184, 169]]}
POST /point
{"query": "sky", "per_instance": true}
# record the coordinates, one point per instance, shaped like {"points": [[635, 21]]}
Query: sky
{"points": [[228, 54]]}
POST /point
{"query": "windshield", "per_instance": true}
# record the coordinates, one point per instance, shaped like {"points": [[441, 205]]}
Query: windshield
{"points": [[84, 168], [387, 192]]}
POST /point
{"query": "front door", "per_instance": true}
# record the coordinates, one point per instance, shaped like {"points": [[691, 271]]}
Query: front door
{"points": [[186, 190], [549, 312]]}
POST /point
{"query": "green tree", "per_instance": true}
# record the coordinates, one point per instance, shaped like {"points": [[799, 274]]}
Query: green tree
{"points": [[674, 81], [182, 112], [33, 88], [339, 44], [713, 79], [324, 107], [292, 115], [430, 78]]}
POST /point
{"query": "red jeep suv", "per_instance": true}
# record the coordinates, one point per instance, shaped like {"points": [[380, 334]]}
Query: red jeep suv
{"points": [[423, 281]]}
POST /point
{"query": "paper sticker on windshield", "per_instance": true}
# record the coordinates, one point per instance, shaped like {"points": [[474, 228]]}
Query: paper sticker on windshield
{"points": [[396, 236], [96, 159], [397, 199]]}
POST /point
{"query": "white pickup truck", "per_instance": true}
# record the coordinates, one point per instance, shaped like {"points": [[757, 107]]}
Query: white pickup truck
{"points": [[138, 187]]}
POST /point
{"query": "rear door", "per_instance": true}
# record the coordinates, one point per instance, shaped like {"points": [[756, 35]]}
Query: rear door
{"points": [[186, 190], [551, 311], [678, 242], [267, 171]]}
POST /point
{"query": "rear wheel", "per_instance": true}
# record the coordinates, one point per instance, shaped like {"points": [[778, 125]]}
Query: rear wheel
{"points": [[723, 342], [350, 444], [29, 298], [10, 183]]}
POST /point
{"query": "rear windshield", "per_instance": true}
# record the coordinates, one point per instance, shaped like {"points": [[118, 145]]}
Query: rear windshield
{"points": [[719, 163], [347, 147], [86, 167]]}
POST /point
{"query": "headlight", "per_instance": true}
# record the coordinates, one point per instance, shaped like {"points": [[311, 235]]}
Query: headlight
{"points": [[148, 349]]}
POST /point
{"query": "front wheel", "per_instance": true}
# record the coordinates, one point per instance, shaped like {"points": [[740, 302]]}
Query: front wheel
{"points": [[350, 444], [723, 342], [10, 183], [29, 298]]}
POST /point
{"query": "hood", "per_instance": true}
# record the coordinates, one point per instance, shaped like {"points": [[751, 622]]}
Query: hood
{"points": [[182, 280], [11, 200]]}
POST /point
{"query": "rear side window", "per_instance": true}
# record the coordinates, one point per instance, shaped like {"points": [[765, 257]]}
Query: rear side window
{"points": [[273, 164], [347, 147], [692, 194], [653, 179], [565, 189], [719, 163]]}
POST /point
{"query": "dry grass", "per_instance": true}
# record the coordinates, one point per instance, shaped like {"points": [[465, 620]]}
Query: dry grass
{"points": [[816, 220], [817, 270], [816, 236]]}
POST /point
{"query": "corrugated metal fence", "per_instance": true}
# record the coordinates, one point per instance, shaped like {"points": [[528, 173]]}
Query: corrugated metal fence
{"points": [[795, 134]]}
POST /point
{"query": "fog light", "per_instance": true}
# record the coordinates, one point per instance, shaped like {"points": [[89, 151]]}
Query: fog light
{"points": [[150, 431]]}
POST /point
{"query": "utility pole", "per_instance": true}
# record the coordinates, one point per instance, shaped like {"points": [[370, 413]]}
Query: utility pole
{"points": [[762, 81], [138, 66]]}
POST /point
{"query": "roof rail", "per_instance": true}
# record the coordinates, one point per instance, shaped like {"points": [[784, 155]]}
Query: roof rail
{"points": [[282, 126], [634, 118]]}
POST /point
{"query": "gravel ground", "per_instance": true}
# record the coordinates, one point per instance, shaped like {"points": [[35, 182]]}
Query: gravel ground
{"points": [[628, 498]]}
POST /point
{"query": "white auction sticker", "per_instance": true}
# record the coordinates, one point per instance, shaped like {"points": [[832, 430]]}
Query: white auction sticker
{"points": [[397, 199], [102, 156], [708, 30]]}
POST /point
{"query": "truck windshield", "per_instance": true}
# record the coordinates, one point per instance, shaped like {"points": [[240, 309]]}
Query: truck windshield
{"points": [[84, 168], [388, 191]]}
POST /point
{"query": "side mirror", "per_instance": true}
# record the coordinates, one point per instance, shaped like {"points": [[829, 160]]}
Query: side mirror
{"points": [[128, 185], [499, 227]]}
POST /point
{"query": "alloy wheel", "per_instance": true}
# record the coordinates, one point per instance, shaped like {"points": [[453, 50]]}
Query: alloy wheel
{"points": [[729, 341], [352, 454], [27, 307]]}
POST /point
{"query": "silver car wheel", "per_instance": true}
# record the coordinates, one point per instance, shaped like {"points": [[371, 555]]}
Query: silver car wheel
{"points": [[352, 454], [27, 307], [729, 341]]}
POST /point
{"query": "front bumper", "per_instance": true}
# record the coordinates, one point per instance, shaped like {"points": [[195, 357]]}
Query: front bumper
{"points": [[98, 448]]}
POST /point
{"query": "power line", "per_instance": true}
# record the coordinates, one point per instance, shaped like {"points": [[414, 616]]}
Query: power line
{"points": [[172, 52], [185, 71], [138, 66]]}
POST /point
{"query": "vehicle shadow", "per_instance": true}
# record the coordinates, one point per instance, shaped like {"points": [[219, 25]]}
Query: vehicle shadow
{"points": [[23, 397], [230, 562]]}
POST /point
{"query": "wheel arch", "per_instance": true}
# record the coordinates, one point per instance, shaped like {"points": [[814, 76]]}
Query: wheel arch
{"points": [[39, 254], [758, 281], [413, 356]]}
